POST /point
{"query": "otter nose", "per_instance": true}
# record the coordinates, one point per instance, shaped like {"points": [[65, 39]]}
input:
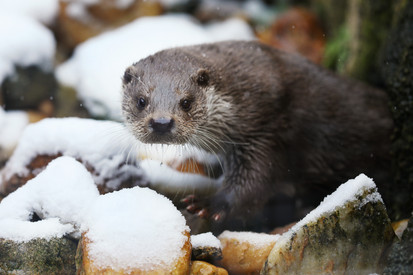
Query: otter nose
{"points": [[161, 125]]}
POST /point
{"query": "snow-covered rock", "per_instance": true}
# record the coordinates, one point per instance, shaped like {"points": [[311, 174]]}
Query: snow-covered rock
{"points": [[24, 42], [349, 232], [135, 230], [206, 247], [59, 196], [105, 147]]}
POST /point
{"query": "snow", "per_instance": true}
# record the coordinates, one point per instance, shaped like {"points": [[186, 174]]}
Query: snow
{"points": [[135, 228], [97, 65], [205, 240], [127, 229], [44, 11], [59, 195], [12, 124], [253, 238], [164, 179], [24, 42], [104, 145], [347, 192]]}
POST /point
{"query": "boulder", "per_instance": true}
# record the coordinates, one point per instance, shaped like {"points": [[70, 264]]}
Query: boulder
{"points": [[348, 233]]}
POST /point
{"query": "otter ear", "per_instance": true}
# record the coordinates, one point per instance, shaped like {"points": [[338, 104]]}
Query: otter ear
{"points": [[202, 77], [127, 76]]}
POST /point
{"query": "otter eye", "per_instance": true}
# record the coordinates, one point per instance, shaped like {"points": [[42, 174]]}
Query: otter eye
{"points": [[186, 105], [202, 77], [141, 103]]}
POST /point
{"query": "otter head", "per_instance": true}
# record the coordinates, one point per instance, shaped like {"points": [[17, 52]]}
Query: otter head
{"points": [[164, 99]]}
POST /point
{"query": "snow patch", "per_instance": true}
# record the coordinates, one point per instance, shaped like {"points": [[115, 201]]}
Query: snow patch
{"points": [[97, 65], [164, 179], [205, 240]]}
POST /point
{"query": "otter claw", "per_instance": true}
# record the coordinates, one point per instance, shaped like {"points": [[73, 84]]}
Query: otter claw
{"points": [[192, 208], [189, 199], [218, 217], [203, 213]]}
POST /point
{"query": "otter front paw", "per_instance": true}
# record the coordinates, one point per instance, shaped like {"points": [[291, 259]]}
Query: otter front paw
{"points": [[194, 205], [208, 208]]}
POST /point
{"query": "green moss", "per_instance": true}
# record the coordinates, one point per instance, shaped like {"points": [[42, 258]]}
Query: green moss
{"points": [[337, 50], [38, 256]]}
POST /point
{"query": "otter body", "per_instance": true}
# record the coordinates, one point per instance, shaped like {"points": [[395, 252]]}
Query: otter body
{"points": [[281, 124]]}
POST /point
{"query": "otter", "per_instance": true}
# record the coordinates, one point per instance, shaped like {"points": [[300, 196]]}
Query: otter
{"points": [[280, 124]]}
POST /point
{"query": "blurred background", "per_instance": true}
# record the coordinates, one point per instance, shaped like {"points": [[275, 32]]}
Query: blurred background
{"points": [[62, 58]]}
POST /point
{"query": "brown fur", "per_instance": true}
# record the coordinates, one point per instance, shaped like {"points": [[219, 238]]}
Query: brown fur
{"points": [[281, 123]]}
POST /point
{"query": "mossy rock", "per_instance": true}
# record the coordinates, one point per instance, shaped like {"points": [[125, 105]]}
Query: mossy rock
{"points": [[38, 256]]}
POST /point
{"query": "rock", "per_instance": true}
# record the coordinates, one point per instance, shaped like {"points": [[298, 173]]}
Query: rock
{"points": [[396, 67], [206, 247], [245, 252], [67, 104], [38, 256], [204, 268], [296, 31], [348, 233], [400, 260], [28, 87]]}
